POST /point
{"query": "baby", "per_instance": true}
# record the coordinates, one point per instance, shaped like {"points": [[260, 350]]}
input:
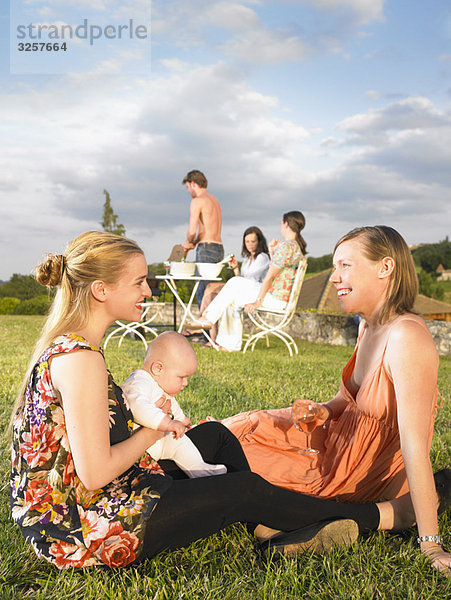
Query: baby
{"points": [[150, 391]]}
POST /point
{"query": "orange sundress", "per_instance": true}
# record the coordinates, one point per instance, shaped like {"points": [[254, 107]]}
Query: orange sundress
{"points": [[359, 456]]}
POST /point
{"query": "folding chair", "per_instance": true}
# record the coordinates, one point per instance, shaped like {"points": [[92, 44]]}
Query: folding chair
{"points": [[272, 322], [137, 329]]}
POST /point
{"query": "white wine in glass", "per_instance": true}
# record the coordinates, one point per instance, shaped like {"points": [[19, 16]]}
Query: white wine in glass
{"points": [[305, 418]]}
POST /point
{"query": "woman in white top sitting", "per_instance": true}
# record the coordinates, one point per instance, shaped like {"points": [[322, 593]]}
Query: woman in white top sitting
{"points": [[273, 293], [254, 266], [256, 256]]}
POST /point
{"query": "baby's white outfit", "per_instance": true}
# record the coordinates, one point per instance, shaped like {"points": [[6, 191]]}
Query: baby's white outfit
{"points": [[141, 392]]}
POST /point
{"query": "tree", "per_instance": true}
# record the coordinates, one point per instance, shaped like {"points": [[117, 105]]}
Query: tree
{"points": [[23, 287], [430, 256], [109, 222], [315, 265], [428, 285]]}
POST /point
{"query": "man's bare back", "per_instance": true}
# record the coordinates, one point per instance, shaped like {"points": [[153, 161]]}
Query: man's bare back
{"points": [[205, 217], [205, 221]]}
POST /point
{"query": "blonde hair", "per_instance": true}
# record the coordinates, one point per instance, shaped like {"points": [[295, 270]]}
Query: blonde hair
{"points": [[94, 255], [378, 242]]}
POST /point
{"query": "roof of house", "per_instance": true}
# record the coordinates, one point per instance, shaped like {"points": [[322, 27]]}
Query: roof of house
{"points": [[317, 292], [430, 306]]}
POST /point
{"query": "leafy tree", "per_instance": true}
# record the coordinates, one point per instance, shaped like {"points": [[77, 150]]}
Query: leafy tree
{"points": [[428, 285], [315, 265], [109, 222], [39, 305], [7, 305], [430, 256], [23, 287]]}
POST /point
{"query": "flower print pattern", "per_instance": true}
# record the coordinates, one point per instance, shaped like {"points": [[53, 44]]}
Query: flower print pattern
{"points": [[38, 445], [67, 524], [287, 257]]}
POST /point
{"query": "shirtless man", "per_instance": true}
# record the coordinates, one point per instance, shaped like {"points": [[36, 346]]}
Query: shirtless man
{"points": [[204, 230]]}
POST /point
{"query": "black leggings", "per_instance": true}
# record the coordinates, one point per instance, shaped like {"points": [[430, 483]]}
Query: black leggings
{"points": [[192, 509]]}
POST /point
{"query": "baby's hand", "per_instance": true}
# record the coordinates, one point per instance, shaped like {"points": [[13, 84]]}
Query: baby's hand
{"points": [[178, 429]]}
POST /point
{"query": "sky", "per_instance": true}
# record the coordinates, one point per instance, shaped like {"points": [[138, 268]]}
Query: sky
{"points": [[338, 108]]}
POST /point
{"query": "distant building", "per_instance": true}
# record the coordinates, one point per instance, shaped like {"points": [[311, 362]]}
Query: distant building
{"points": [[444, 274], [318, 293]]}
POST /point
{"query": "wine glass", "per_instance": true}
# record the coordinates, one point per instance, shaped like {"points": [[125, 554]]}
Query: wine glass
{"points": [[305, 417]]}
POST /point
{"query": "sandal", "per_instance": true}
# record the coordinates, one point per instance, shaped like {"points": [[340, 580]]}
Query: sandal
{"points": [[199, 339], [189, 332], [315, 538]]}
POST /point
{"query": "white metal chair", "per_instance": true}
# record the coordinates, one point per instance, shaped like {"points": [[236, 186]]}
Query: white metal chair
{"points": [[137, 328], [271, 322]]}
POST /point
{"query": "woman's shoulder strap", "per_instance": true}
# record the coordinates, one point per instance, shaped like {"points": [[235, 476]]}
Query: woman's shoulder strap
{"points": [[68, 343]]}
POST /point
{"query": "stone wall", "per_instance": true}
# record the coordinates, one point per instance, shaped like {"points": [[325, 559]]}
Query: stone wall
{"points": [[441, 332], [337, 330]]}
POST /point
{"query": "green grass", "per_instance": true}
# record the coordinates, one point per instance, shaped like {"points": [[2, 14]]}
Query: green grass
{"points": [[226, 566]]}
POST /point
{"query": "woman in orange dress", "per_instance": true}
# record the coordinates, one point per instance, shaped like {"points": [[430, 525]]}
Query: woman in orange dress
{"points": [[377, 430]]}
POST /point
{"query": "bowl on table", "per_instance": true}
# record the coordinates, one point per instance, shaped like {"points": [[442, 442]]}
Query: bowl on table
{"points": [[182, 269], [209, 270]]}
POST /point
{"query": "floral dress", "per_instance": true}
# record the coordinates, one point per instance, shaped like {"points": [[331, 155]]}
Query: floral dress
{"points": [[67, 524], [287, 256]]}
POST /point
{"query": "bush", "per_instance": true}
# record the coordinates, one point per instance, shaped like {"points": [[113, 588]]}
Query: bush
{"points": [[23, 287], [7, 305], [429, 286], [38, 305]]}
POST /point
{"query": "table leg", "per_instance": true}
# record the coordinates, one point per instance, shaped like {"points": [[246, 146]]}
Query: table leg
{"points": [[174, 309], [186, 307]]}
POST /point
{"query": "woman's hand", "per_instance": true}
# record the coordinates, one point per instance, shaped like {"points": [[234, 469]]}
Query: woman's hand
{"points": [[439, 559], [324, 413], [272, 245], [252, 306], [233, 263]]}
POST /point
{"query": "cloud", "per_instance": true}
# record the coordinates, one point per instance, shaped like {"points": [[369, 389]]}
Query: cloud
{"points": [[411, 113], [363, 10], [247, 34], [268, 47], [373, 94], [138, 137], [139, 144], [70, 138], [399, 174], [360, 11], [232, 16]]}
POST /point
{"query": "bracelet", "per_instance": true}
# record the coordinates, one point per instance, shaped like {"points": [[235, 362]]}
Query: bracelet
{"points": [[430, 538], [171, 416]]}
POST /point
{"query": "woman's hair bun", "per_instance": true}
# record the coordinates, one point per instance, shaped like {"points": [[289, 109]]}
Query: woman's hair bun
{"points": [[50, 271]]}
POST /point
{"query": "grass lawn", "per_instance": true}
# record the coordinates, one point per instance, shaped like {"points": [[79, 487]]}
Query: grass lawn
{"points": [[226, 566]]}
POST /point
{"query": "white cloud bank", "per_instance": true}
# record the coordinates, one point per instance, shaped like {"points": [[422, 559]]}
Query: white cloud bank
{"points": [[70, 138]]}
